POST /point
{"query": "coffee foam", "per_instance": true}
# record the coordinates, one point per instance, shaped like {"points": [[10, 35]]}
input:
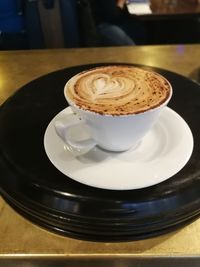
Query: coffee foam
{"points": [[117, 90]]}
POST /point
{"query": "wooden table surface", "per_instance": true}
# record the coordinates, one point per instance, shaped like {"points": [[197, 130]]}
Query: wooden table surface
{"points": [[22, 241]]}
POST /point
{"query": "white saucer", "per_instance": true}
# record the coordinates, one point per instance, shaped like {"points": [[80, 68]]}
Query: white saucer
{"points": [[162, 153]]}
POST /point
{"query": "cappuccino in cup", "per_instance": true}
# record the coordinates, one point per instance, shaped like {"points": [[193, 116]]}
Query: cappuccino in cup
{"points": [[118, 90], [118, 103]]}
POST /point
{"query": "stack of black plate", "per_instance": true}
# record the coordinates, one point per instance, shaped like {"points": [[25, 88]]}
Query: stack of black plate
{"points": [[38, 191]]}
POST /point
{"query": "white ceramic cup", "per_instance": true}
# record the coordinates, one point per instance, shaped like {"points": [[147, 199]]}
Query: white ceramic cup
{"points": [[111, 132]]}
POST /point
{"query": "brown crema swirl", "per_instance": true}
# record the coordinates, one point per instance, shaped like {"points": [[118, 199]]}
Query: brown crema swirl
{"points": [[117, 90]]}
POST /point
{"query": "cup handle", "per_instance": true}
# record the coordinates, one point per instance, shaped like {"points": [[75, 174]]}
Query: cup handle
{"points": [[63, 127]]}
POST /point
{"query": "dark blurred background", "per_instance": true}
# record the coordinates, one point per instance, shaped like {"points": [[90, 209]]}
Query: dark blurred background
{"points": [[40, 24]]}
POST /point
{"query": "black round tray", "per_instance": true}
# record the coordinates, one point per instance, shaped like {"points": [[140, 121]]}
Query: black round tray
{"points": [[38, 191]]}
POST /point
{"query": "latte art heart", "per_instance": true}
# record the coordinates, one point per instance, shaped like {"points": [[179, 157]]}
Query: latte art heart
{"points": [[107, 87], [117, 90], [103, 87]]}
